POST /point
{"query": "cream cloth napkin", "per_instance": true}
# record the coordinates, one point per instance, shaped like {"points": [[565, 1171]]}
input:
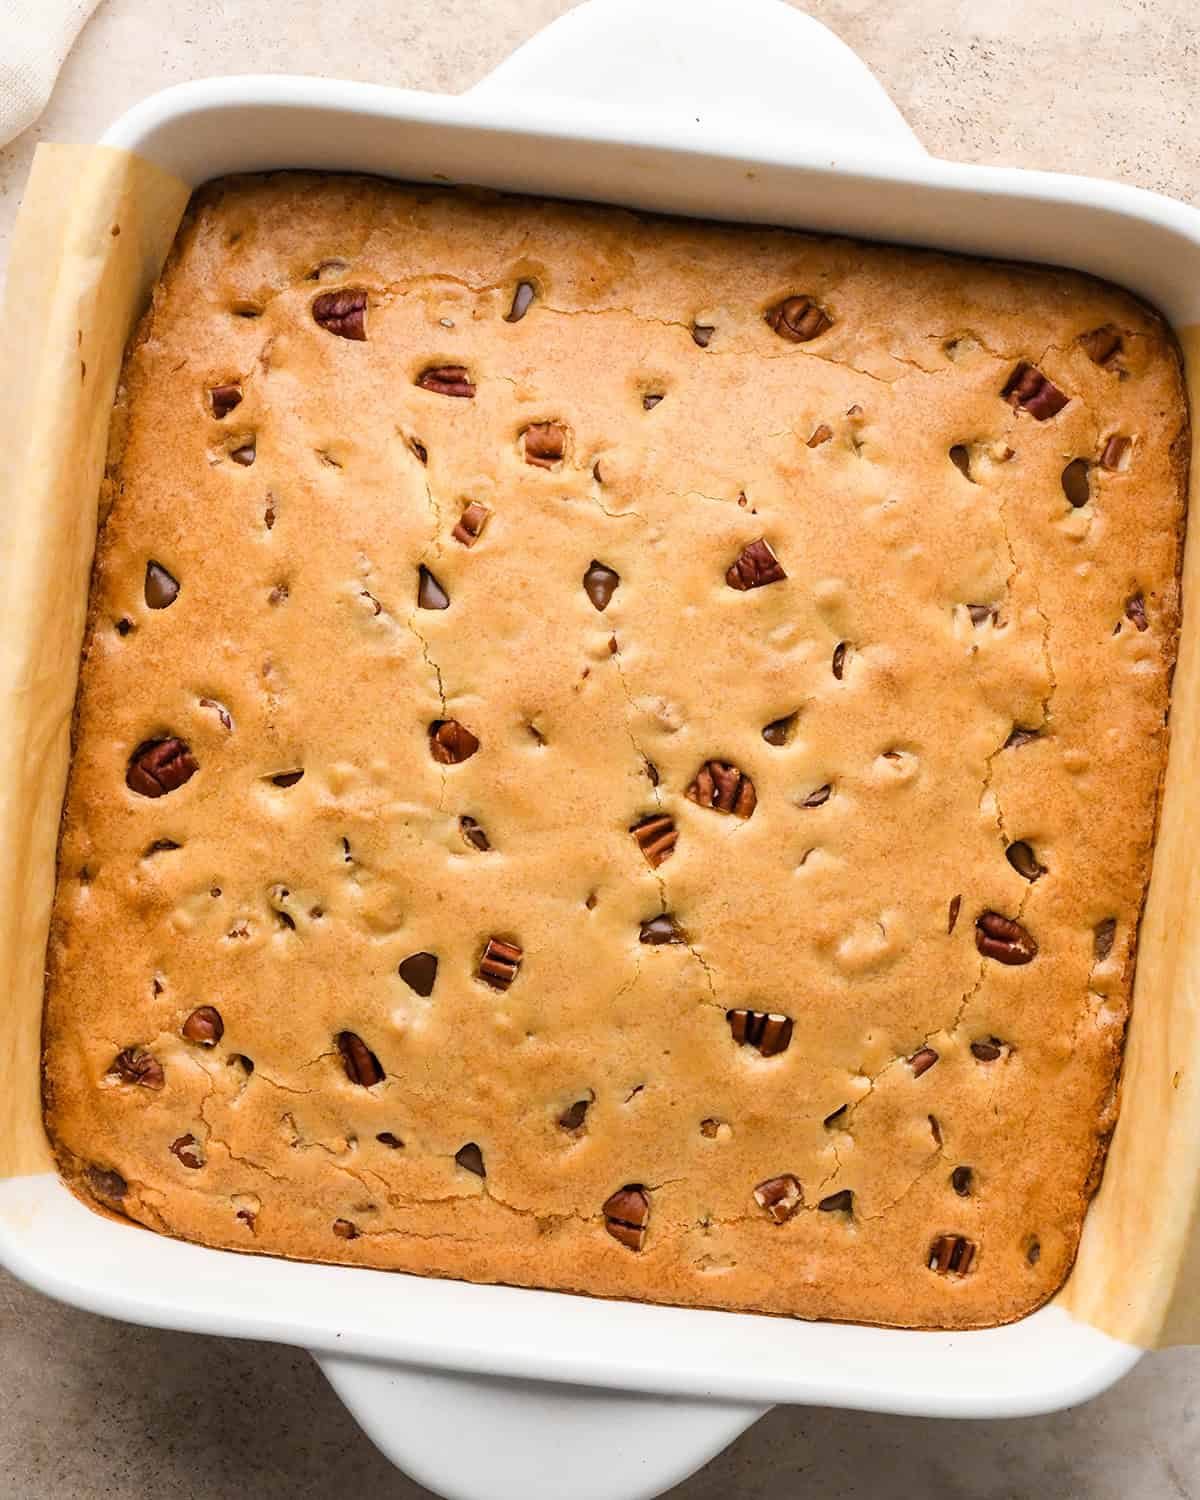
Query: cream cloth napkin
{"points": [[35, 36]]}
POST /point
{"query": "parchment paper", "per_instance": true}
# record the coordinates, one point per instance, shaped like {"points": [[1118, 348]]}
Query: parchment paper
{"points": [[75, 289]]}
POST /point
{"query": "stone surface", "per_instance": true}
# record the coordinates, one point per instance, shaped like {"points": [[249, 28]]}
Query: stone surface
{"points": [[94, 1408]]}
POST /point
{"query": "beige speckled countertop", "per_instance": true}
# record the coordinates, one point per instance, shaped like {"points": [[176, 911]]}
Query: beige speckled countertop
{"points": [[91, 1408]]}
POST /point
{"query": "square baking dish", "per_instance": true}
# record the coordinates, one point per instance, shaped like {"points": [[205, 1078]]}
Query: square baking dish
{"points": [[689, 107]]}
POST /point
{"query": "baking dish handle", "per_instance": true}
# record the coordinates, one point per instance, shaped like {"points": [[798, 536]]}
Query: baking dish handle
{"points": [[473, 1437], [704, 64]]}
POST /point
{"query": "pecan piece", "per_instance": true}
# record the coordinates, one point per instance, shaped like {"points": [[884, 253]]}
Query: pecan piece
{"points": [[724, 788], [157, 767], [390, 1140], [819, 797], [523, 297], [756, 566], [106, 1183], [1019, 737], [1115, 451], [1101, 344], [345, 1230], [245, 453], [469, 525], [343, 312], [702, 334], [419, 972], [447, 380], [187, 1149], [798, 319], [224, 398], [473, 834], [922, 1060], [656, 837], [574, 1115], [132, 1065], [626, 1215], [499, 963], [779, 731], [1023, 860], [1076, 482], [839, 660], [286, 779], [204, 1026], [989, 1049], [1104, 934], [361, 1064], [470, 1159], [821, 434], [545, 444], [769, 1032], [450, 743], [1027, 389], [982, 613], [780, 1197], [661, 929], [960, 457], [160, 588], [1003, 939], [960, 1181], [952, 915], [600, 584], [430, 593], [838, 1203], [951, 1255], [1135, 611]]}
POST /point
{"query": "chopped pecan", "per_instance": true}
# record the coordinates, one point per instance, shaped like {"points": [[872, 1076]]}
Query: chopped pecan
{"points": [[779, 731], [756, 566], [661, 929], [960, 1181], [952, 917], [1076, 482], [473, 834], [951, 1255], [1020, 736], [157, 767], [1115, 452], [1027, 389], [988, 1049], [204, 1026], [160, 588], [834, 1116], [1105, 932], [600, 584], [573, 1116], [702, 334], [1023, 860], [838, 1203], [627, 1214], [1101, 344], [1135, 611], [922, 1060], [960, 457], [447, 380], [981, 614], [819, 797], [469, 525], [769, 1032], [523, 296], [390, 1140], [106, 1183], [821, 434], [224, 398], [286, 779], [656, 837], [499, 963], [245, 453], [470, 1159], [450, 743], [839, 660], [419, 972], [343, 312], [545, 444], [430, 593], [1003, 939], [345, 1230], [220, 710], [798, 319], [361, 1064], [132, 1065], [780, 1197], [724, 788], [187, 1150]]}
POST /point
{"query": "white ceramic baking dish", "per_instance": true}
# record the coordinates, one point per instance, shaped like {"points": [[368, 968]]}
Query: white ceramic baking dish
{"points": [[745, 110]]}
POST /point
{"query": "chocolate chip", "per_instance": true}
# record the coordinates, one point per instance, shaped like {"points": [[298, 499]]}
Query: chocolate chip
{"points": [[430, 593], [157, 767], [106, 1183], [819, 797], [1003, 939], [960, 457], [361, 1064], [470, 1159], [160, 588], [392, 1142], [661, 929], [419, 972], [780, 1197], [769, 1032], [343, 1228], [600, 584], [471, 523], [779, 731], [1019, 737], [1135, 611], [224, 398], [723, 788], [545, 444], [922, 1060], [1076, 482], [124, 627], [990, 1049], [135, 1066], [245, 453], [839, 660], [1023, 860], [286, 778], [951, 1255], [450, 743], [1027, 389], [1101, 344], [343, 312], [798, 319], [447, 380], [204, 1026], [522, 299], [702, 334], [499, 963], [952, 918], [627, 1214], [755, 567], [821, 434], [656, 837], [573, 1117], [960, 1181], [650, 402], [1103, 943], [473, 834], [186, 1149], [838, 1203], [1115, 451]]}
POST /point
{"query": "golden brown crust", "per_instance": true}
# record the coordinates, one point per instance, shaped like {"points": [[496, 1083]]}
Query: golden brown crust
{"points": [[811, 392]]}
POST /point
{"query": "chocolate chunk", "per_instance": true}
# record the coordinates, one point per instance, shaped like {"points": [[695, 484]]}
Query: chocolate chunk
{"points": [[419, 972], [106, 1183], [627, 1214], [135, 1066], [430, 593], [650, 402], [160, 588], [471, 523], [1135, 610], [723, 788], [1019, 737], [755, 567], [988, 1050], [838, 1203], [819, 797], [245, 453], [780, 1197], [1101, 344], [1105, 933], [1023, 860], [656, 837], [951, 1255], [1076, 482], [769, 1032], [960, 1181], [1115, 450], [447, 380], [545, 444], [286, 778], [522, 299], [779, 731], [952, 918], [473, 834], [345, 1230], [1003, 939], [499, 963], [392, 1142], [450, 743], [342, 312], [839, 660], [361, 1064], [124, 626], [820, 434], [187, 1150], [204, 1026], [573, 1116], [922, 1060], [702, 334], [960, 457], [600, 584], [157, 767], [661, 929], [798, 319], [470, 1159], [1027, 389], [224, 398]]}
